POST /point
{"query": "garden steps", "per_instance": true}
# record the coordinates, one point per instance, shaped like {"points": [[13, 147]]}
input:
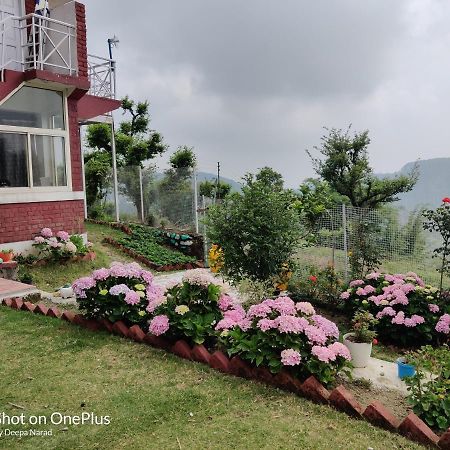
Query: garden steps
{"points": [[11, 289]]}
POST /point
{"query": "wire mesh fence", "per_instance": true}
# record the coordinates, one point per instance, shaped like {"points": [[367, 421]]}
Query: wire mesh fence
{"points": [[393, 241]]}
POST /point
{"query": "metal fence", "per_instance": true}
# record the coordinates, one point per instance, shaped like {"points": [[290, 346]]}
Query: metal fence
{"points": [[395, 236]]}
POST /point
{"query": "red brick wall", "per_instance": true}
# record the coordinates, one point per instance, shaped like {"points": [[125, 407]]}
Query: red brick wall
{"points": [[81, 40], [75, 145], [29, 6], [21, 222]]}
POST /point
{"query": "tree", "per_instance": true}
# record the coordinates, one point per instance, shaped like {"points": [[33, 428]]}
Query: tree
{"points": [[211, 189], [256, 228], [345, 166], [135, 143], [270, 177], [175, 189]]}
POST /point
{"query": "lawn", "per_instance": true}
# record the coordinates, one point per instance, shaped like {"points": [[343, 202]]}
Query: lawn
{"points": [[155, 400]]}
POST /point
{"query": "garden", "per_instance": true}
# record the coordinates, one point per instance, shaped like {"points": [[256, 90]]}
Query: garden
{"points": [[286, 323]]}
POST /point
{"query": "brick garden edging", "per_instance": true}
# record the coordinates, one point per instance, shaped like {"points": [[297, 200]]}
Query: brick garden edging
{"points": [[412, 427], [151, 264]]}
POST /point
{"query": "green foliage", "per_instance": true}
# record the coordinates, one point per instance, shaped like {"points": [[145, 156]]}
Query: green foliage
{"points": [[255, 291], [135, 143], [320, 286], [345, 166], [183, 158], [430, 395], [269, 177], [149, 243], [192, 311], [361, 323], [210, 189], [257, 229], [438, 220]]}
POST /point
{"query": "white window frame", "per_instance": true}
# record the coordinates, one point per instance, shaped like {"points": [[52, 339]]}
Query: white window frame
{"points": [[28, 131]]}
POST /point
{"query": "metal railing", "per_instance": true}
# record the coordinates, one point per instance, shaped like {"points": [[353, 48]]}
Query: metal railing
{"points": [[102, 76], [39, 43]]}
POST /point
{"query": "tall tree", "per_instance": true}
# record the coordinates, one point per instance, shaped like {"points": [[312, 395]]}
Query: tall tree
{"points": [[345, 166], [135, 144]]}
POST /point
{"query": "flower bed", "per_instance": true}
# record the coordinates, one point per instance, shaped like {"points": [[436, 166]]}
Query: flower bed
{"points": [[409, 312], [281, 334], [122, 292]]}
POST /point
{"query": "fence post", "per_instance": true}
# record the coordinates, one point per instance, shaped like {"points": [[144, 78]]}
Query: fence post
{"points": [[205, 243], [141, 190], [195, 201], [344, 225]]}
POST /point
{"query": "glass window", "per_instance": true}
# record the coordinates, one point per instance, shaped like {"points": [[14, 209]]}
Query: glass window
{"points": [[34, 108], [48, 161], [13, 160]]}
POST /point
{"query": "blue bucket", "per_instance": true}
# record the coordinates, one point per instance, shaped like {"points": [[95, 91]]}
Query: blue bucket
{"points": [[404, 369]]}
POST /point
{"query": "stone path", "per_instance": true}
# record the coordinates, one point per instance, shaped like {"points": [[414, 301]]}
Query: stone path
{"points": [[10, 289]]}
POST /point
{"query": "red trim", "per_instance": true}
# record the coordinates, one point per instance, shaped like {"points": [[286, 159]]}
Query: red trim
{"points": [[90, 106]]}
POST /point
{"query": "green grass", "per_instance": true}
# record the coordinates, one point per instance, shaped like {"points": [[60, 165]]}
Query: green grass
{"points": [[155, 400], [54, 275]]}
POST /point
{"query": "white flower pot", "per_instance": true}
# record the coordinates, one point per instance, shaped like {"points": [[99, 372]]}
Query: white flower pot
{"points": [[66, 292], [360, 351]]}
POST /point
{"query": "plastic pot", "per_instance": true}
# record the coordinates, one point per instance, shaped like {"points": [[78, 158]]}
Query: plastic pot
{"points": [[360, 351]]}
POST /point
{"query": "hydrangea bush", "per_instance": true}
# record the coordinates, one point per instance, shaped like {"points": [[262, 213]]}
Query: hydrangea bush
{"points": [[122, 292], [60, 245], [190, 309], [409, 312], [279, 333]]}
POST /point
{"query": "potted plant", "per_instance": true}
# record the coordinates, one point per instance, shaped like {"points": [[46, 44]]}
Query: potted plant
{"points": [[359, 340], [6, 255]]}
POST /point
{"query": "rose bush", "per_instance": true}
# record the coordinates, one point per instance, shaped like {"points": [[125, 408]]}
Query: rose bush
{"points": [[409, 312], [60, 245], [122, 292], [281, 334], [189, 310]]}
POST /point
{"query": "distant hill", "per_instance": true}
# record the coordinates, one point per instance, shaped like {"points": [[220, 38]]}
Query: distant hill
{"points": [[433, 184]]}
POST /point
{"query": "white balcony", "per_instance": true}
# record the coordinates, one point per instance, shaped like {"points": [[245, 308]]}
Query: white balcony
{"points": [[39, 43], [102, 76]]}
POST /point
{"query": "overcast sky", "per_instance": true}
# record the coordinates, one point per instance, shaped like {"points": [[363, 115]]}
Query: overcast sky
{"points": [[251, 83]]}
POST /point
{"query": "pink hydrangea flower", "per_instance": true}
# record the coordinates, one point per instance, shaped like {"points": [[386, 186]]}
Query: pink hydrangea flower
{"points": [[132, 297], [327, 326], [81, 285], [323, 354], [443, 325], [291, 324], [119, 289], [433, 308], [47, 232], [305, 308], [369, 289], [284, 305], [340, 350], [373, 276], [315, 335], [118, 270], [63, 235], [236, 314], [388, 311], [290, 357], [225, 302], [260, 310], [147, 276], [100, 274], [225, 324], [266, 324], [39, 240], [345, 295], [159, 325], [399, 319], [356, 283], [198, 277]]}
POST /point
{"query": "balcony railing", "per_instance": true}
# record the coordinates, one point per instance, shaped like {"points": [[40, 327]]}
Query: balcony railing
{"points": [[37, 42], [102, 76]]}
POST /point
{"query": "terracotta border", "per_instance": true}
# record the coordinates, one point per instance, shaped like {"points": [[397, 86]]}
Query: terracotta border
{"points": [[412, 427]]}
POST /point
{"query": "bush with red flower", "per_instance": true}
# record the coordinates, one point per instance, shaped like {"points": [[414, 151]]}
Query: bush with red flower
{"points": [[122, 292], [409, 312], [281, 334], [189, 310]]}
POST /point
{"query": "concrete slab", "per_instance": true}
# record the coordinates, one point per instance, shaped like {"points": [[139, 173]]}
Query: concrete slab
{"points": [[382, 374], [10, 288]]}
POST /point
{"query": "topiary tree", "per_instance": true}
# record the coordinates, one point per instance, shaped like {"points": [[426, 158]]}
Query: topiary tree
{"points": [[258, 229]]}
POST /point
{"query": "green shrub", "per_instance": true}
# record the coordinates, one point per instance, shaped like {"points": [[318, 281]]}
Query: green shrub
{"points": [[430, 395], [190, 309], [257, 229]]}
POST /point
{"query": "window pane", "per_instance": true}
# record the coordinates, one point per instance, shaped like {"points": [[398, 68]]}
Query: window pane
{"points": [[48, 161], [13, 160], [35, 108]]}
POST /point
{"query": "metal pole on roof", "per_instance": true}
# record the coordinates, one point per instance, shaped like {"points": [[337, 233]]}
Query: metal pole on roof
{"points": [[114, 167]]}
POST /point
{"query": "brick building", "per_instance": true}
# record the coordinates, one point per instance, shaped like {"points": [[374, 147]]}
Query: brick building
{"points": [[49, 86]]}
